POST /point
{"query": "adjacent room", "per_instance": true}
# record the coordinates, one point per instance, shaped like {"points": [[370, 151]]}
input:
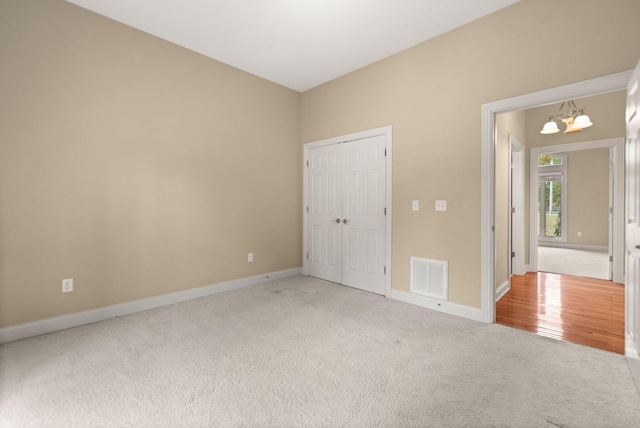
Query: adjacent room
{"points": [[274, 213]]}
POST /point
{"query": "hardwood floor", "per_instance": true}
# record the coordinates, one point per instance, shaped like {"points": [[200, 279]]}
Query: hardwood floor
{"points": [[581, 310]]}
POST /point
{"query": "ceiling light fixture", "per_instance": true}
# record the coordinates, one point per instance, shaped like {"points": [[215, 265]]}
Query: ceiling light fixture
{"points": [[574, 118]]}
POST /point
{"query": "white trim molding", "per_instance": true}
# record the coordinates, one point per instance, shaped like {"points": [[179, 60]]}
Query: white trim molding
{"points": [[574, 246], [502, 290], [634, 368], [50, 325], [630, 350], [599, 85], [387, 131], [438, 305], [516, 201]]}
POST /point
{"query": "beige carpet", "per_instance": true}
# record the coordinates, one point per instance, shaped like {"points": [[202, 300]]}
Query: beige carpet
{"points": [[304, 352], [568, 261]]}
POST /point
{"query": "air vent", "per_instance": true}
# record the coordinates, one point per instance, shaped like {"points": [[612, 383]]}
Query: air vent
{"points": [[430, 278]]}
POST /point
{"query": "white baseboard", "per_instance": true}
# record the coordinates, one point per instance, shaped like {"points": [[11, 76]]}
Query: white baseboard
{"points": [[502, 290], [36, 328], [573, 246], [527, 268], [438, 305], [630, 350], [634, 368], [633, 359]]}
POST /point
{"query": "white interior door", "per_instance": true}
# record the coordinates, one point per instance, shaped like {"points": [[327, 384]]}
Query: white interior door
{"points": [[346, 222], [632, 297], [325, 211], [363, 232]]}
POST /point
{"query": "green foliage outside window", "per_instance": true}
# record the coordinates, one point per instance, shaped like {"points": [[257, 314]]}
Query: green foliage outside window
{"points": [[557, 230], [553, 208], [545, 159]]}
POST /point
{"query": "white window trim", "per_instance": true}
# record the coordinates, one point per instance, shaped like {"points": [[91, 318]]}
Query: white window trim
{"points": [[548, 170]]}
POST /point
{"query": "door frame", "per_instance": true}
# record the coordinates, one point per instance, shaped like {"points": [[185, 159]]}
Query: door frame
{"points": [[385, 131], [616, 174], [516, 205], [599, 85]]}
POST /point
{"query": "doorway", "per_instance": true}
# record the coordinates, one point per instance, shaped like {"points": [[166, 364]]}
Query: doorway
{"points": [[346, 207], [614, 82], [551, 215], [569, 192], [548, 298]]}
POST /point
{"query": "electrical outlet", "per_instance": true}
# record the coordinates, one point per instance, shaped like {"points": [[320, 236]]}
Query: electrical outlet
{"points": [[579, 234], [67, 285], [250, 257], [441, 205]]}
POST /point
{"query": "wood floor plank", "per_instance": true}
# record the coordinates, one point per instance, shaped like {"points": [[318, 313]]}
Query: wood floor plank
{"points": [[581, 310]]}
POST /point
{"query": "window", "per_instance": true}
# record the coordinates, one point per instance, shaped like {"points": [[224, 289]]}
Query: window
{"points": [[545, 159], [552, 197]]}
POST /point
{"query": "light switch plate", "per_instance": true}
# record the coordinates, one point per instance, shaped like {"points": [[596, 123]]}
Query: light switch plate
{"points": [[441, 205], [415, 205]]}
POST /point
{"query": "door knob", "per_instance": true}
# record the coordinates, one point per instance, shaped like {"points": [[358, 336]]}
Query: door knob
{"points": [[336, 221], [345, 221]]}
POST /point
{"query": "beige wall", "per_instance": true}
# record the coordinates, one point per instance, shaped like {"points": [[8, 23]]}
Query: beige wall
{"points": [[432, 95], [134, 166], [588, 197], [512, 123]]}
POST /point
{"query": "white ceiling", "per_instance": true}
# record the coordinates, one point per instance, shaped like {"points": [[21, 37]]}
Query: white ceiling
{"points": [[296, 43]]}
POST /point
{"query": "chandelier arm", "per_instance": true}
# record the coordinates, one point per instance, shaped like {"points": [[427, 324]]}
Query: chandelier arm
{"points": [[571, 110]]}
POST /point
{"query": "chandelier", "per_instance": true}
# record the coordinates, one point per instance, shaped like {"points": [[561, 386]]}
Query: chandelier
{"points": [[574, 118]]}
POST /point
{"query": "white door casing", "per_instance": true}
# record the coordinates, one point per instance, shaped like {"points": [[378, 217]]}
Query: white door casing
{"points": [[612, 189], [516, 203], [632, 289], [347, 210]]}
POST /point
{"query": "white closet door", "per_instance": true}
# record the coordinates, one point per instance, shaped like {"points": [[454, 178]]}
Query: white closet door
{"points": [[363, 230], [346, 224], [325, 210]]}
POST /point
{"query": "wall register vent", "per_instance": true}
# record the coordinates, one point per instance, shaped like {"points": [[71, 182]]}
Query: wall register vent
{"points": [[430, 278]]}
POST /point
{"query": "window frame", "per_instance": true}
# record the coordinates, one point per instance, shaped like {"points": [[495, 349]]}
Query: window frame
{"points": [[544, 173]]}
